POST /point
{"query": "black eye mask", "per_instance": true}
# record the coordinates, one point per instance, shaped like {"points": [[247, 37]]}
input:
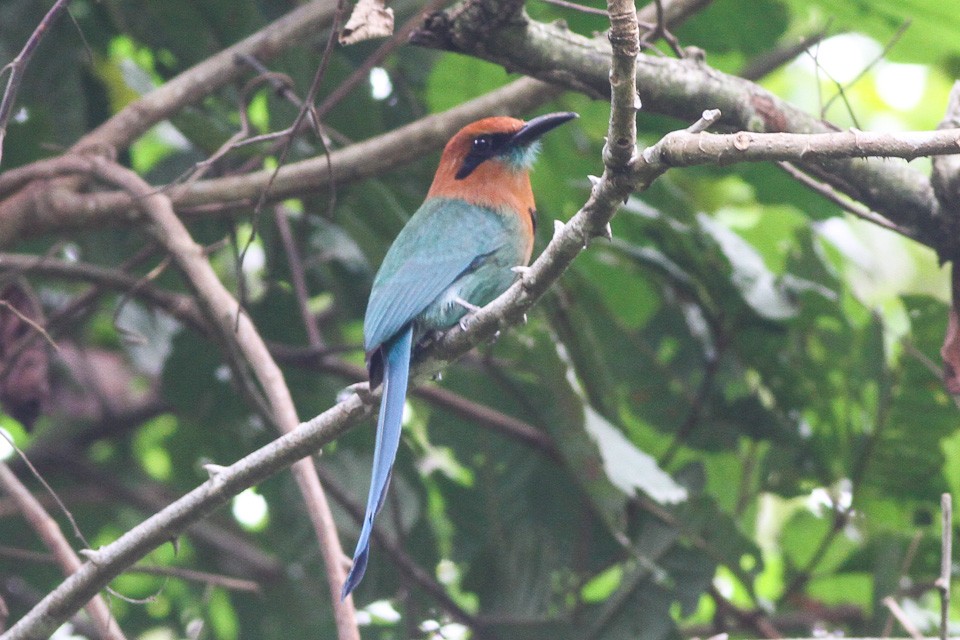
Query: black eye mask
{"points": [[483, 147]]}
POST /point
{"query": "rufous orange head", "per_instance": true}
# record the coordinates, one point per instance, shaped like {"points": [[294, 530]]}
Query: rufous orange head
{"points": [[487, 162]]}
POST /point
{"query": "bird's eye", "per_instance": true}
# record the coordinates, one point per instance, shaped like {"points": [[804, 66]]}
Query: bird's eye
{"points": [[482, 144]]}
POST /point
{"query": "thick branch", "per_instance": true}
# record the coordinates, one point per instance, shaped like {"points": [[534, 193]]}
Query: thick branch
{"points": [[682, 148], [684, 89], [240, 339], [298, 26], [609, 191], [53, 538], [111, 560], [184, 308], [179, 306], [43, 209]]}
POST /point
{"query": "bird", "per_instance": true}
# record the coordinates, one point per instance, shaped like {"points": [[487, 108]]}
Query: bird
{"points": [[456, 253]]}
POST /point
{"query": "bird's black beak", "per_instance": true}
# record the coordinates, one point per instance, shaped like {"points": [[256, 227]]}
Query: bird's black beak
{"points": [[539, 126]]}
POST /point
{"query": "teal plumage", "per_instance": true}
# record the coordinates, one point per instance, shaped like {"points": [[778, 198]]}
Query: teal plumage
{"points": [[455, 253], [448, 248]]}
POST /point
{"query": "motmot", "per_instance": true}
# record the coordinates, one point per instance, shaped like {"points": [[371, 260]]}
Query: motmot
{"points": [[457, 253]]}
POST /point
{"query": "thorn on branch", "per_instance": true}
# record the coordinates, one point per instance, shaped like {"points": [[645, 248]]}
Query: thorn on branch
{"points": [[94, 556], [558, 226], [707, 120], [522, 272], [361, 389], [213, 470]]}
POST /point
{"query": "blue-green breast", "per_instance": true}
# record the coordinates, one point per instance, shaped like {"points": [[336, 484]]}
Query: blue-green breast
{"points": [[448, 249]]}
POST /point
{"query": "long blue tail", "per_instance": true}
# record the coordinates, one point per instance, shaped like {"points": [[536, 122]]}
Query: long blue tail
{"points": [[396, 370]]}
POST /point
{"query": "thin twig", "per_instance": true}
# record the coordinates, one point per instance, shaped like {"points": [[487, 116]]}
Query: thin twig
{"points": [[764, 65], [946, 563], [182, 573], [850, 206], [755, 620], [18, 66], [297, 276], [894, 39], [841, 517], [674, 11], [908, 559], [361, 73], [577, 7], [48, 531], [659, 30], [902, 618], [308, 109], [29, 321], [245, 348], [405, 564]]}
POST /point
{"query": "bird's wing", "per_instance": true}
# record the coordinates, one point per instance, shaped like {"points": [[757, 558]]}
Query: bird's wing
{"points": [[436, 247]]}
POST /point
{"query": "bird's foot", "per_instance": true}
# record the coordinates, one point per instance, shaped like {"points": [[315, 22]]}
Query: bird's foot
{"points": [[523, 273], [471, 309], [469, 306], [93, 555], [213, 470], [558, 226], [362, 389]]}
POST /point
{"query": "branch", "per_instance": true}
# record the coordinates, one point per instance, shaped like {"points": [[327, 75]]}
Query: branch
{"points": [[55, 209], [179, 306], [183, 308], [150, 497], [615, 184], [241, 341], [18, 66], [683, 89], [182, 573], [300, 25], [111, 560], [49, 532], [683, 149]]}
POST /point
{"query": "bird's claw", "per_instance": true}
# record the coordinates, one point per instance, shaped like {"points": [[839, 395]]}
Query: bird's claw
{"points": [[558, 226], [93, 555], [471, 309], [523, 273], [466, 304], [362, 389], [213, 470]]}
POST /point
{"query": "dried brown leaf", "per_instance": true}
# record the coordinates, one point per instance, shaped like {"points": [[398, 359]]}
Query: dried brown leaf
{"points": [[370, 19], [24, 356]]}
